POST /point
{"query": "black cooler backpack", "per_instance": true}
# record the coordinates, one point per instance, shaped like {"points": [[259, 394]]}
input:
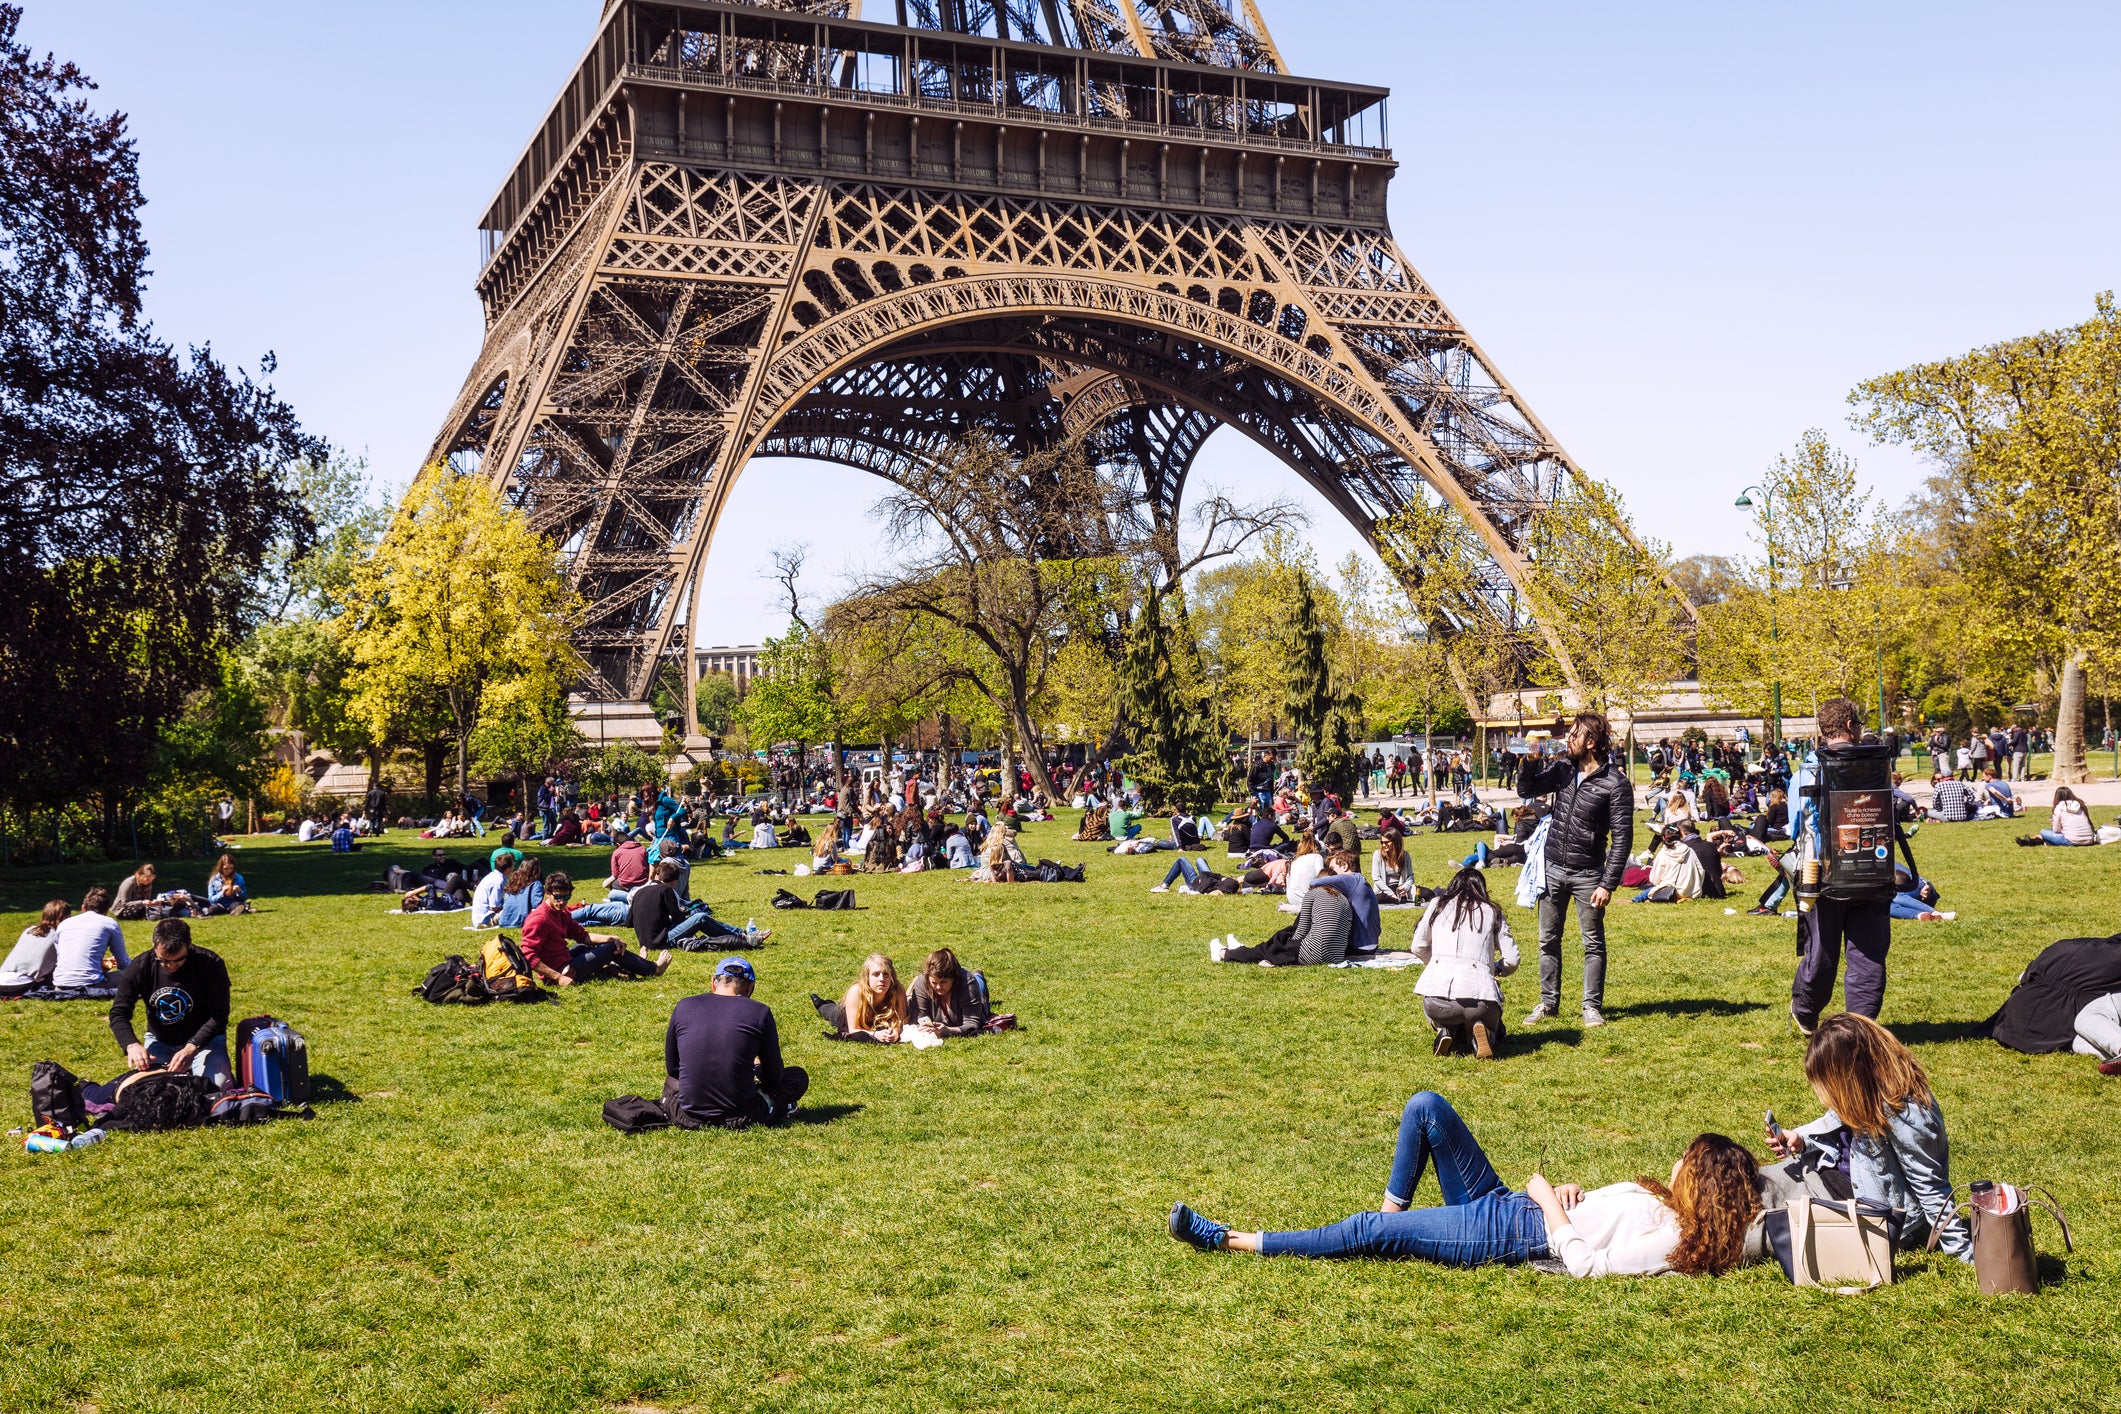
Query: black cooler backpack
{"points": [[1858, 827]]}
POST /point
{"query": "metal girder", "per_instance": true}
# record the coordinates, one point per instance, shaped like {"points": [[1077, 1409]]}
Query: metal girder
{"points": [[722, 271]]}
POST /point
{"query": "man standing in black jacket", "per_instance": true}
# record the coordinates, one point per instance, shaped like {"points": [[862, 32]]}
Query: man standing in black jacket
{"points": [[1587, 849]]}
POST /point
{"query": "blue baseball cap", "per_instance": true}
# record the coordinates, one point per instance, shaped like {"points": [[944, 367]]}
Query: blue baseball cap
{"points": [[735, 967]]}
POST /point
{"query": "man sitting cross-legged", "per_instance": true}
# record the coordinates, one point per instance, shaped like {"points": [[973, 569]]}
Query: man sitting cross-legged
{"points": [[561, 952], [186, 993], [722, 1057]]}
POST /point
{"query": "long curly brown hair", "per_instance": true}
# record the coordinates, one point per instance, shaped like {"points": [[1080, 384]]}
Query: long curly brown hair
{"points": [[1715, 1195]]}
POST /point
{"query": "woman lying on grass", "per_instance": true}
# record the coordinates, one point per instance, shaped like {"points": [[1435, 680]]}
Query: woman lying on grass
{"points": [[1695, 1227], [874, 1009]]}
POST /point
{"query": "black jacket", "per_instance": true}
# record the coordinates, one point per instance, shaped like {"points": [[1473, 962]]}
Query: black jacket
{"points": [[1594, 818], [2041, 1013], [185, 1007]]}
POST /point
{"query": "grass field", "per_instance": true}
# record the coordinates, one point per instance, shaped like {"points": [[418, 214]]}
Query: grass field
{"points": [[981, 1226]]}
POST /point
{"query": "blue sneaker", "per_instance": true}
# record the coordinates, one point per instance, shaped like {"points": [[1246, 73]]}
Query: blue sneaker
{"points": [[1189, 1226]]}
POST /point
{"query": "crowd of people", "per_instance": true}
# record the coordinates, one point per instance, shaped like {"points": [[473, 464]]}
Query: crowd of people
{"points": [[1881, 1137]]}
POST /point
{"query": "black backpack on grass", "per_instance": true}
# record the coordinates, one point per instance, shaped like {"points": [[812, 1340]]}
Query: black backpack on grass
{"points": [[631, 1114], [55, 1096], [454, 981]]}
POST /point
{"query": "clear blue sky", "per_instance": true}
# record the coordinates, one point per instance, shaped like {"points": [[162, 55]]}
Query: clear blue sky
{"points": [[1684, 230]]}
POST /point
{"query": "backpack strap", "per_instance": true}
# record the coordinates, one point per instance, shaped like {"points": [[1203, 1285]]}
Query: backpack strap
{"points": [[1907, 851]]}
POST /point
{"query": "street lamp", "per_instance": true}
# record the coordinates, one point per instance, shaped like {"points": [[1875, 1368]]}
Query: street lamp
{"points": [[1844, 584], [1767, 518]]}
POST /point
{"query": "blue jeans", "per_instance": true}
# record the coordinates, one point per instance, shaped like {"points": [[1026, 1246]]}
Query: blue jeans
{"points": [[1184, 868], [211, 1061], [614, 910], [1480, 1222], [703, 923], [2057, 837]]}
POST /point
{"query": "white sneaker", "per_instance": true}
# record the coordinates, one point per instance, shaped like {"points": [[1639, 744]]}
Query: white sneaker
{"points": [[1216, 949], [1948, 917], [1161, 889], [1539, 1013], [1230, 940]]}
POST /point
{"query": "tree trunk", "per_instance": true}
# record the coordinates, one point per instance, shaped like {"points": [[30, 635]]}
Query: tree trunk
{"points": [[2070, 767], [839, 774], [1035, 759], [463, 763], [1008, 744]]}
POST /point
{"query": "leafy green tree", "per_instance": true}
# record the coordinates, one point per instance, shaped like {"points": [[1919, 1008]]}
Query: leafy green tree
{"points": [[719, 702], [1321, 713], [2028, 433], [1179, 756], [460, 599], [621, 767], [141, 489]]}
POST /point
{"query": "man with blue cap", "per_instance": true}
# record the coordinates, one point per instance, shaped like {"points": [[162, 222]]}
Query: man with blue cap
{"points": [[722, 1057]]}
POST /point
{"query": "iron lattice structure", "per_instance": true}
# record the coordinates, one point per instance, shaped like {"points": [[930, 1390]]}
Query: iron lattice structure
{"points": [[779, 228]]}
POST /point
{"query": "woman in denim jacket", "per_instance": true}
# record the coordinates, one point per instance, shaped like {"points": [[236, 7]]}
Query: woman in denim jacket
{"points": [[1882, 1127]]}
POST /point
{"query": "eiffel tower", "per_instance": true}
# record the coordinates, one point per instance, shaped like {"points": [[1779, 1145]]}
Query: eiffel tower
{"points": [[785, 228]]}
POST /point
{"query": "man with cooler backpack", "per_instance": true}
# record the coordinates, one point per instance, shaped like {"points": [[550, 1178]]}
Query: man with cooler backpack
{"points": [[1865, 924]]}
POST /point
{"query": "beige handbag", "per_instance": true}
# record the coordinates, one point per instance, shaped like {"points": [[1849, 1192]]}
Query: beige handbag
{"points": [[1846, 1247]]}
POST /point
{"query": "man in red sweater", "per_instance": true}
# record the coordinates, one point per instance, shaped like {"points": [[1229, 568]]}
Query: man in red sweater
{"points": [[563, 953]]}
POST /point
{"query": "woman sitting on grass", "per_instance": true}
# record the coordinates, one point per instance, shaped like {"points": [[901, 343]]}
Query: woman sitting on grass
{"points": [[825, 848], [1883, 1118], [1696, 1226], [2068, 824], [1673, 867], [524, 891], [35, 955], [995, 866], [874, 1008], [1391, 872], [224, 888], [1459, 938]]}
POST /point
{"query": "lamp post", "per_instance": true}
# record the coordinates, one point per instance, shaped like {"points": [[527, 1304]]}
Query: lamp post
{"points": [[1845, 583], [1767, 520]]}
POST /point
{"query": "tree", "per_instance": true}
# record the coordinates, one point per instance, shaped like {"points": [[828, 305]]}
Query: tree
{"points": [[1242, 613], [140, 489], [1610, 602], [1320, 712], [2029, 432], [621, 767], [719, 703], [1179, 756], [524, 731], [460, 599], [1706, 579]]}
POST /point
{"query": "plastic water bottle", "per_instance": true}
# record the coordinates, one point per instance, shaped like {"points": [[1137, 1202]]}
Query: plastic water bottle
{"points": [[751, 932], [87, 1137]]}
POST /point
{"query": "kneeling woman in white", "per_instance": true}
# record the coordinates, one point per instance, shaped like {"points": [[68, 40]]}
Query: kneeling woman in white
{"points": [[1461, 937], [1695, 1227]]}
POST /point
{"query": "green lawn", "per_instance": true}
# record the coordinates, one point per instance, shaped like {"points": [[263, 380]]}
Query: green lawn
{"points": [[981, 1226]]}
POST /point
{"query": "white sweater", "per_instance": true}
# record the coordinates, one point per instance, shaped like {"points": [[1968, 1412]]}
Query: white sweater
{"points": [[1621, 1229], [1302, 871], [1461, 958]]}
